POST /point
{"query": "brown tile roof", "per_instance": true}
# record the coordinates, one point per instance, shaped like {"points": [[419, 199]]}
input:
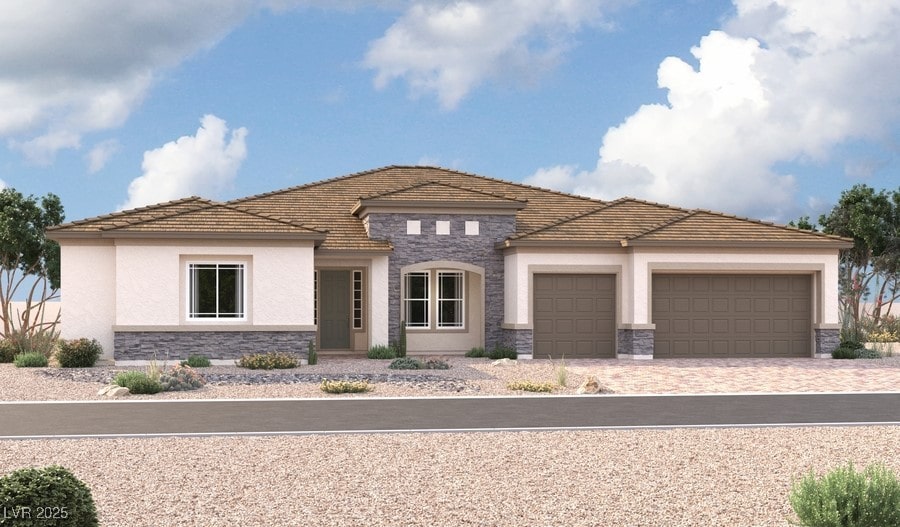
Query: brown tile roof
{"points": [[544, 216]]}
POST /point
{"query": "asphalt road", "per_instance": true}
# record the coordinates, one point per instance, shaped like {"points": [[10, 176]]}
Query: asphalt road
{"points": [[273, 416]]}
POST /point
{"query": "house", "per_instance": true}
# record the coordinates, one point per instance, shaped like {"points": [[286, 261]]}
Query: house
{"points": [[462, 260]]}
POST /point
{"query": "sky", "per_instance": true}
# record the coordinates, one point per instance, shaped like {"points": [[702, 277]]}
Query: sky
{"points": [[759, 108]]}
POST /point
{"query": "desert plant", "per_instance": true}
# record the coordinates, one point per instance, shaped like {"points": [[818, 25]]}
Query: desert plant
{"points": [[562, 373], [8, 351], [137, 382], [312, 357], [476, 352], [30, 360], [181, 378], [78, 353], [436, 364], [847, 498], [41, 340], [197, 361], [381, 352], [273, 360], [502, 352], [406, 363], [845, 352], [401, 346], [530, 386], [866, 353], [338, 386], [64, 500]]}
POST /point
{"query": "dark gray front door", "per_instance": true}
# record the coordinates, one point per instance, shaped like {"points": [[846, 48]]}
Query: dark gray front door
{"points": [[334, 317]]}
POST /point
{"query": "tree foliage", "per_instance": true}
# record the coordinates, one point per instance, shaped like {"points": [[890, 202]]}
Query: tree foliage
{"points": [[871, 269], [28, 259]]}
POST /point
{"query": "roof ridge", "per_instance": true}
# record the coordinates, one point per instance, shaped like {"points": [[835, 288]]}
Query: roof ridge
{"points": [[565, 219], [770, 224], [654, 228], [129, 212], [272, 218], [208, 206], [443, 184]]}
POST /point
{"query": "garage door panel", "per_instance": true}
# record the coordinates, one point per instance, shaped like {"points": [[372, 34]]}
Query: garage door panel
{"points": [[579, 319], [731, 315]]}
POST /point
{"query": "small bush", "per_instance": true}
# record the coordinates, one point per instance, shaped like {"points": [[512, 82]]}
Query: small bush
{"points": [[30, 360], [530, 386], [476, 353], [64, 500], [274, 360], [847, 498], [436, 364], [866, 353], [312, 357], [78, 353], [842, 352], [197, 361], [138, 382], [381, 352], [181, 378], [406, 363], [8, 350], [41, 341], [345, 386], [562, 373], [502, 352]]}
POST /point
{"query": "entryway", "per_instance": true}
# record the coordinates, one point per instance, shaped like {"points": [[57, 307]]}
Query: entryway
{"points": [[334, 310]]}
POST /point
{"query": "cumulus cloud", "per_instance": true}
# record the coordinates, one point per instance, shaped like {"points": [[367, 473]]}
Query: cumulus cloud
{"points": [[202, 164], [782, 81], [83, 65], [99, 155], [449, 48]]}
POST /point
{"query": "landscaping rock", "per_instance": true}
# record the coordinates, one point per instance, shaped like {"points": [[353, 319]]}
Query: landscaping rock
{"points": [[118, 391], [504, 362], [590, 385], [106, 389]]}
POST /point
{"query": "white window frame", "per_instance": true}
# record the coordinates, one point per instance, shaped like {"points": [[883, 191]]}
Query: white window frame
{"points": [[433, 300], [413, 227], [442, 227], [407, 299], [461, 323], [472, 228], [217, 316], [359, 299]]}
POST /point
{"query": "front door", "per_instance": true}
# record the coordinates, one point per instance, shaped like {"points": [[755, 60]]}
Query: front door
{"points": [[334, 317]]}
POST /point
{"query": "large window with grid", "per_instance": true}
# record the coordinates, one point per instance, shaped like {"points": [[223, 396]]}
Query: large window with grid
{"points": [[438, 296], [417, 300], [450, 299], [216, 290]]}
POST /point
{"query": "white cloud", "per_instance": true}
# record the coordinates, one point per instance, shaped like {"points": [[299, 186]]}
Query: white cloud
{"points": [[83, 65], [784, 81], [203, 164], [449, 48], [100, 155]]}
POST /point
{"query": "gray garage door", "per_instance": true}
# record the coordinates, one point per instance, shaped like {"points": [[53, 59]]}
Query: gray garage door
{"points": [[731, 315], [574, 316]]}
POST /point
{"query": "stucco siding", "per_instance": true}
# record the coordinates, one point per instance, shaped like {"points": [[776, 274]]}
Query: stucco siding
{"points": [[88, 276]]}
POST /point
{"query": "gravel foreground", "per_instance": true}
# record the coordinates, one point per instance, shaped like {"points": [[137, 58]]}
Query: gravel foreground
{"points": [[686, 477]]}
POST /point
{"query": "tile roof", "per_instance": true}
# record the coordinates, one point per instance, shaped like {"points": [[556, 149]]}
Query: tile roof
{"points": [[542, 216]]}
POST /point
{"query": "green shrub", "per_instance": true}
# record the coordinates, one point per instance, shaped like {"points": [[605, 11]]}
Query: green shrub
{"points": [[381, 352], [41, 341], [842, 352], [78, 353], [30, 360], [274, 360], [8, 350], [502, 352], [847, 498], [197, 361], [345, 386], [406, 363], [436, 364], [312, 357], [530, 386], [476, 353], [46, 497], [181, 378], [138, 382]]}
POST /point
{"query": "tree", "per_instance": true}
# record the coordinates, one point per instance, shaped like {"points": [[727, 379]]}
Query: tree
{"points": [[871, 269], [29, 261]]}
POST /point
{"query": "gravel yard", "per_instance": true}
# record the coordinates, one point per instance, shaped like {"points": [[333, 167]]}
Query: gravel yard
{"points": [[688, 477]]}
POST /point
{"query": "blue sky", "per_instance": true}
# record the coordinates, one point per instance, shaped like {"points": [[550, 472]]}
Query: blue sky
{"points": [[753, 107]]}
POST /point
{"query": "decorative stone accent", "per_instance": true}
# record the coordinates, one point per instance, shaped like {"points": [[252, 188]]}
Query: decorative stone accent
{"points": [[636, 342], [504, 362], [827, 340], [217, 345], [521, 340], [590, 385], [118, 391]]}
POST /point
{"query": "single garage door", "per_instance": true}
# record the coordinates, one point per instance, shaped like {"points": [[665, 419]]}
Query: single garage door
{"points": [[574, 316], [731, 315]]}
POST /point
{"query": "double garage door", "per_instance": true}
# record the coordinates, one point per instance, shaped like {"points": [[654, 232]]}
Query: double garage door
{"points": [[695, 315]]}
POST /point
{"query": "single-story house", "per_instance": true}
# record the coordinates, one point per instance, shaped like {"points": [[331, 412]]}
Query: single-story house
{"points": [[463, 260]]}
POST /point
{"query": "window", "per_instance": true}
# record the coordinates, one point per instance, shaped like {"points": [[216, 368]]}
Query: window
{"points": [[413, 227], [450, 299], [416, 304], [357, 300], [471, 228], [442, 227], [216, 290]]}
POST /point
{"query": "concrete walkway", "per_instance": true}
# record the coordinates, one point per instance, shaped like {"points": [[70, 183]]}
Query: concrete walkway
{"points": [[301, 416]]}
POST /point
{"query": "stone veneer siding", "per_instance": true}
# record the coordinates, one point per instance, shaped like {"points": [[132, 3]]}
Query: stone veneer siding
{"points": [[177, 345], [428, 246], [635, 342], [522, 340], [827, 340]]}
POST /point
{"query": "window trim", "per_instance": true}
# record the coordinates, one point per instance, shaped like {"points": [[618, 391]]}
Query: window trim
{"points": [[439, 273], [358, 301], [433, 299], [407, 299], [217, 318]]}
